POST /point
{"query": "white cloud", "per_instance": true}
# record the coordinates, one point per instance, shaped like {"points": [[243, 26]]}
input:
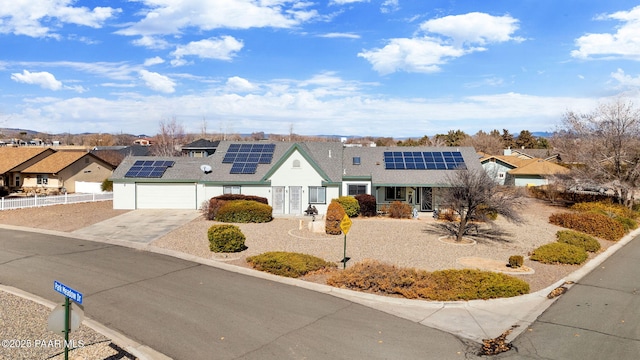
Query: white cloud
{"points": [[43, 79], [28, 17], [340, 35], [423, 55], [223, 48], [164, 17], [157, 82], [238, 84], [448, 38], [626, 80], [389, 6], [474, 28], [343, 2], [153, 61], [624, 43]]}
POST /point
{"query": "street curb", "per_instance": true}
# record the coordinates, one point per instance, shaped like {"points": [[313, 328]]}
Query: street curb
{"points": [[142, 352]]}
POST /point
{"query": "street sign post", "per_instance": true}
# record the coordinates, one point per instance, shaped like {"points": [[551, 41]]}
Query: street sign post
{"points": [[69, 294], [345, 226]]}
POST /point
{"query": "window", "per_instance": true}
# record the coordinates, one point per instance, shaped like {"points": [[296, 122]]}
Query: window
{"points": [[43, 180], [317, 195], [356, 160], [395, 193], [501, 175], [356, 189], [231, 189]]}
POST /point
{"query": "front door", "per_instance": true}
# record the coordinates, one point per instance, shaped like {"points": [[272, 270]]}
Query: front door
{"points": [[426, 199], [295, 200], [278, 199]]}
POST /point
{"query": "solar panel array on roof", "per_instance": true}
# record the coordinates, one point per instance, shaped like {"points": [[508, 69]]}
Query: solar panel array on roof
{"points": [[423, 160], [149, 168], [246, 157]]}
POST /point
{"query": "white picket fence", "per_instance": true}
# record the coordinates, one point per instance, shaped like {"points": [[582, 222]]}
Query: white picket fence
{"points": [[36, 201]]}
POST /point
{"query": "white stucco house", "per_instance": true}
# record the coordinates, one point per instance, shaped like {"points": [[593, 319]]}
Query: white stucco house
{"points": [[291, 175]]}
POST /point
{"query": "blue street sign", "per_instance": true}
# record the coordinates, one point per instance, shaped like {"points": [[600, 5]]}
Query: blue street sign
{"points": [[67, 291]]}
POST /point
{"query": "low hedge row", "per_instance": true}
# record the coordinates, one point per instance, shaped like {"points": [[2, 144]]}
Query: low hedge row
{"points": [[211, 208], [444, 285], [559, 253], [594, 224], [288, 264], [244, 211]]}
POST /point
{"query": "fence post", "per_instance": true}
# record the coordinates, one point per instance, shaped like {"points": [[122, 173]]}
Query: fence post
{"points": [[35, 200], [2, 204], [65, 198]]}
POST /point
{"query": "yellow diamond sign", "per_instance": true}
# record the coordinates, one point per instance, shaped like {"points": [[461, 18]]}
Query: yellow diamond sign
{"points": [[345, 224]]}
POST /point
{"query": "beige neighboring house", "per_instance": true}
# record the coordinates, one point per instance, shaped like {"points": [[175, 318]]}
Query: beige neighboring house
{"points": [[60, 171], [517, 170], [13, 160]]}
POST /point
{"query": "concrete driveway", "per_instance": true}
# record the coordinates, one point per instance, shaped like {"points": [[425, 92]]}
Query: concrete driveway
{"points": [[139, 226]]}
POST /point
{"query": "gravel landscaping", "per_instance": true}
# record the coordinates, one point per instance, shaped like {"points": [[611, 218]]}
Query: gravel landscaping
{"points": [[406, 243]]}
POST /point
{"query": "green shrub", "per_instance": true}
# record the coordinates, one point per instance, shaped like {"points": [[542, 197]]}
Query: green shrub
{"points": [[349, 204], [400, 210], [367, 204], [215, 203], [579, 239], [288, 264], [594, 224], [447, 285], [516, 261], [559, 253], [627, 223], [335, 213], [244, 211], [226, 238], [107, 185]]}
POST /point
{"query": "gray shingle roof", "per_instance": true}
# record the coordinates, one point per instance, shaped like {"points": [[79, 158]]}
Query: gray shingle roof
{"points": [[331, 158]]}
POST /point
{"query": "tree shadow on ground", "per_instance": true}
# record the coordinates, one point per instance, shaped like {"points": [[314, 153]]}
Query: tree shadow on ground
{"points": [[486, 233]]}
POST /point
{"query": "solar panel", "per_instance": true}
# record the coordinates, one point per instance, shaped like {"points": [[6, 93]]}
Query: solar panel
{"points": [[427, 160], [246, 157], [149, 168]]}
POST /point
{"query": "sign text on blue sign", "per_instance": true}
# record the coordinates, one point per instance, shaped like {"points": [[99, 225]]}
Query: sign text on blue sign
{"points": [[67, 291]]}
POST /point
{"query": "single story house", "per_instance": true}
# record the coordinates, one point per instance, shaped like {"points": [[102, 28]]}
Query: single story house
{"points": [[13, 160], [291, 175], [60, 171], [517, 170]]}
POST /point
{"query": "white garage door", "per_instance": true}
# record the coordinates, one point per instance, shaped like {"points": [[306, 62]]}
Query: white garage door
{"points": [[166, 196]]}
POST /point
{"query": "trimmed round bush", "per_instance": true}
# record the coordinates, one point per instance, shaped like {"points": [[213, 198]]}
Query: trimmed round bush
{"points": [[589, 243], [244, 211], [226, 238], [288, 264], [335, 213], [594, 224], [559, 253], [367, 204], [349, 204]]}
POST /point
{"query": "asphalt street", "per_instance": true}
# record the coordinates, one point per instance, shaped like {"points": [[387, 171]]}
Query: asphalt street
{"points": [[597, 318], [187, 310]]}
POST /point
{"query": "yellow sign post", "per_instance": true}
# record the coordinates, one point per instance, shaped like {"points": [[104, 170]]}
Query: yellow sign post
{"points": [[345, 226]]}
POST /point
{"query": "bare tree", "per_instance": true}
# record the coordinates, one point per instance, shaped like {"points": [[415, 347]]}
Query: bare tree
{"points": [[169, 138], [473, 195], [609, 146]]}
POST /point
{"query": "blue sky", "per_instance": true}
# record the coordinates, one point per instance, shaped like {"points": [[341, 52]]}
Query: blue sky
{"points": [[351, 67]]}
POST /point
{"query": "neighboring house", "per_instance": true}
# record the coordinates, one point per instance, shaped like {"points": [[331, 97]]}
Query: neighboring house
{"points": [[291, 175], [60, 171], [142, 141], [200, 148], [519, 170], [13, 160], [115, 154], [544, 154]]}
